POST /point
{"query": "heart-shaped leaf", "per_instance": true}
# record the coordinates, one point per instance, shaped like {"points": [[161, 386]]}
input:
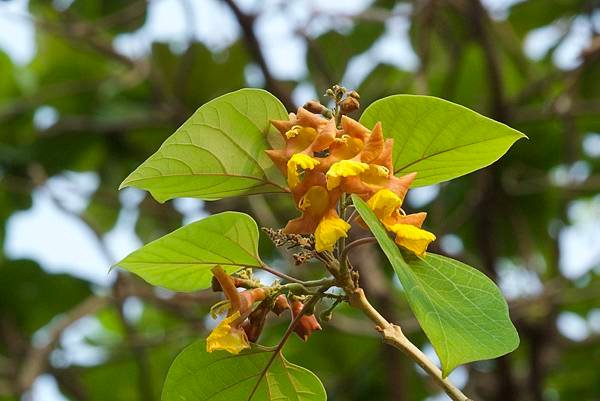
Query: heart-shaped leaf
{"points": [[218, 152], [197, 375], [438, 139], [461, 310], [181, 260]]}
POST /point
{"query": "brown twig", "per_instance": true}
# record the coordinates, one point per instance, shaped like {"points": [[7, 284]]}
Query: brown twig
{"points": [[393, 335], [246, 22], [36, 360]]}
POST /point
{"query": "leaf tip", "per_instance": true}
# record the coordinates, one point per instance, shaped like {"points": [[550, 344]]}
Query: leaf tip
{"points": [[124, 184]]}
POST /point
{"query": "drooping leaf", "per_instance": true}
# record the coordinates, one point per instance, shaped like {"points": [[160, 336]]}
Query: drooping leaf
{"points": [[461, 310], [438, 139], [218, 152], [197, 375], [181, 260]]}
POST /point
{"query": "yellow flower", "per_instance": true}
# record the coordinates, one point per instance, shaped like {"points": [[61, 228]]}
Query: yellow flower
{"points": [[329, 230], [227, 337], [375, 170], [344, 168], [384, 203], [294, 131], [299, 160], [315, 200], [412, 238]]}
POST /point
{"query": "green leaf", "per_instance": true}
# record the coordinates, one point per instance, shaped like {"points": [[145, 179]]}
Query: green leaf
{"points": [[181, 260], [461, 310], [197, 375], [218, 152], [438, 139]]}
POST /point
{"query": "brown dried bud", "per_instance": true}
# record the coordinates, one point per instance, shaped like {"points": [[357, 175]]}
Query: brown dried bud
{"points": [[215, 285], [314, 107], [302, 257], [349, 104], [281, 304], [256, 322], [353, 94], [306, 324]]}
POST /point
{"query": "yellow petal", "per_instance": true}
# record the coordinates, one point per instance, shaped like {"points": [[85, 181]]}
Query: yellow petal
{"points": [[412, 238], [344, 168], [299, 160], [294, 131], [375, 170], [227, 338], [384, 203], [315, 200], [329, 230]]}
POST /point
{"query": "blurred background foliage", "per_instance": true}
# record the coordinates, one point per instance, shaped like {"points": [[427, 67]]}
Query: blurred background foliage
{"points": [[104, 82]]}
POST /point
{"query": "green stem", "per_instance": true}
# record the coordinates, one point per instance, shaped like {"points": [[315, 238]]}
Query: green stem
{"points": [[277, 273], [307, 306], [303, 289]]}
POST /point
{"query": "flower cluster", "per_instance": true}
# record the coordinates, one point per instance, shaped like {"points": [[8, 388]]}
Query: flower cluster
{"points": [[322, 162], [245, 320], [231, 334]]}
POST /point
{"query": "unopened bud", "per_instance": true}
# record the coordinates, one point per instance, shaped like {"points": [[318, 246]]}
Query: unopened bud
{"points": [[349, 105], [256, 322], [249, 297], [314, 107], [327, 113], [353, 94], [306, 324], [281, 304]]}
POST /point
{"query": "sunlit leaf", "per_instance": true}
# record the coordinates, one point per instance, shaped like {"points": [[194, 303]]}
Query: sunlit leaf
{"points": [[460, 309], [181, 260], [197, 375], [218, 152], [438, 139]]}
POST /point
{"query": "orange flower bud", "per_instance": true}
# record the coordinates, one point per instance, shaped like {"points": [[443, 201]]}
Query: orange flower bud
{"points": [[349, 105], [255, 323], [306, 324], [228, 286], [281, 304], [249, 297], [314, 106]]}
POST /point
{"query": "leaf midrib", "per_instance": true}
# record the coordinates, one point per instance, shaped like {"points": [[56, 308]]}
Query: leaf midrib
{"points": [[266, 182], [425, 157]]}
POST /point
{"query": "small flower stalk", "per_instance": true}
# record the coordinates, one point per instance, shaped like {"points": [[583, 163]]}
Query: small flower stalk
{"points": [[230, 335]]}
